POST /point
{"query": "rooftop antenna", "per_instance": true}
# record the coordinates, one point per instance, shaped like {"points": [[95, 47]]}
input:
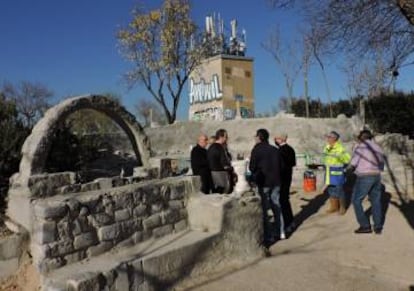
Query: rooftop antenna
{"points": [[208, 29], [213, 31], [233, 25]]}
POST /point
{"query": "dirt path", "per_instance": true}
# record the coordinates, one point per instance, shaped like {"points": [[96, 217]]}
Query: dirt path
{"points": [[325, 254]]}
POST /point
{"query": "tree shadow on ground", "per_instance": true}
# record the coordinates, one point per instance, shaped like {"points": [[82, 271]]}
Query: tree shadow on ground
{"points": [[310, 209], [407, 209], [218, 276], [385, 203], [404, 204]]}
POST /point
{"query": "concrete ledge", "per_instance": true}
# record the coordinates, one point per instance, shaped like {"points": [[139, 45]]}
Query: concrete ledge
{"points": [[156, 262], [8, 267], [10, 246], [11, 249]]}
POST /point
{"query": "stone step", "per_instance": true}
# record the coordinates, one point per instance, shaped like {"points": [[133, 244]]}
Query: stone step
{"points": [[150, 265]]}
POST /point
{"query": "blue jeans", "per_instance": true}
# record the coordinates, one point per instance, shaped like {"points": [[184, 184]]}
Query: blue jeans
{"points": [[270, 200], [371, 186], [336, 191]]}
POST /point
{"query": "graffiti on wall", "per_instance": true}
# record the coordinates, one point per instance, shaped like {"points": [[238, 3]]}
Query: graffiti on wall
{"points": [[204, 92], [211, 113], [217, 113], [246, 112]]}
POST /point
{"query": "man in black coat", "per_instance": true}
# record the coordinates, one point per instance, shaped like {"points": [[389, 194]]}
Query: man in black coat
{"points": [[199, 164], [288, 156], [220, 163], [265, 168]]}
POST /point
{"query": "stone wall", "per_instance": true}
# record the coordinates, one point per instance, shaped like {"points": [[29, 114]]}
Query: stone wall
{"points": [[76, 226], [305, 135], [119, 224], [224, 232]]}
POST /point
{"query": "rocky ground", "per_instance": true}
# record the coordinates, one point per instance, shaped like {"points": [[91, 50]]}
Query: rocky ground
{"points": [[325, 254], [25, 279]]}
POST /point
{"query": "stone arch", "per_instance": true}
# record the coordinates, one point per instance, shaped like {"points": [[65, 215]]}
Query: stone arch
{"points": [[36, 147]]}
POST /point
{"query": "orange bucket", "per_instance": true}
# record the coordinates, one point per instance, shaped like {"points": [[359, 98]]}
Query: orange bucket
{"points": [[309, 181]]}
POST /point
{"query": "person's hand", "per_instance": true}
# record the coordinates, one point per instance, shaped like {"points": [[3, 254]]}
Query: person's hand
{"points": [[349, 169]]}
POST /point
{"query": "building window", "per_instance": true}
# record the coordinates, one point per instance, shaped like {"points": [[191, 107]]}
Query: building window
{"points": [[247, 74], [227, 70]]}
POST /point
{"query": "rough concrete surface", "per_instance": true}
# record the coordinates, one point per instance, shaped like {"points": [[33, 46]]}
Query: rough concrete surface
{"points": [[325, 254]]}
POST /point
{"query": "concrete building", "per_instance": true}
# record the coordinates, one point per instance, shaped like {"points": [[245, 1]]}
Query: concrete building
{"points": [[221, 88]]}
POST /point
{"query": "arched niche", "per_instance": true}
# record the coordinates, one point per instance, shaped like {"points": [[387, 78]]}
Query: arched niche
{"points": [[36, 148]]}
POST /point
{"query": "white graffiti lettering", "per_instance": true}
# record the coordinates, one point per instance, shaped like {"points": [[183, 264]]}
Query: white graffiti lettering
{"points": [[205, 92]]}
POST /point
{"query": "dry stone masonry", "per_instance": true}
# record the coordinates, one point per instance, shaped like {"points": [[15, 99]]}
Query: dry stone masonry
{"points": [[123, 233], [72, 227], [150, 231]]}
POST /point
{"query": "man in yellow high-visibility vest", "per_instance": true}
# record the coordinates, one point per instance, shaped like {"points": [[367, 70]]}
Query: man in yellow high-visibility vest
{"points": [[336, 157]]}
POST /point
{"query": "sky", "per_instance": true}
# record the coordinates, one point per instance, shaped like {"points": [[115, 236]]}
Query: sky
{"points": [[70, 47]]}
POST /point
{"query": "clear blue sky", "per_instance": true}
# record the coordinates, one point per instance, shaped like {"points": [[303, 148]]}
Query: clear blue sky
{"points": [[70, 46]]}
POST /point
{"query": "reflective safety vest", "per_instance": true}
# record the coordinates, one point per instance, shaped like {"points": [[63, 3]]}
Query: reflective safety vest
{"points": [[335, 175], [335, 159]]}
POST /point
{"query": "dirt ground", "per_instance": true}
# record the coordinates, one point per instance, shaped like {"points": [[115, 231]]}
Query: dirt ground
{"points": [[25, 279], [324, 254]]}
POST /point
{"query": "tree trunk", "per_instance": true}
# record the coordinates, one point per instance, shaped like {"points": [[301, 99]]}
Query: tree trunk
{"points": [[407, 9]]}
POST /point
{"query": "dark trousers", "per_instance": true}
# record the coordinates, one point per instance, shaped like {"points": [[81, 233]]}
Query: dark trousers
{"points": [[206, 182], [270, 200], [285, 201]]}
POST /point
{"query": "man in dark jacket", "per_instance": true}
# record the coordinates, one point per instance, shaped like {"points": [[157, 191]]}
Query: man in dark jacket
{"points": [[288, 156], [220, 164], [199, 164], [265, 167]]}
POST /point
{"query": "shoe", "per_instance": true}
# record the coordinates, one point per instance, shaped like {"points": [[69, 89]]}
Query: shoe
{"points": [[342, 206], [266, 252], [363, 230], [378, 230], [267, 243], [334, 205]]}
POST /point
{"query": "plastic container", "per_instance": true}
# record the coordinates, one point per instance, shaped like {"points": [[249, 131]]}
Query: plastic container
{"points": [[309, 181], [247, 173]]}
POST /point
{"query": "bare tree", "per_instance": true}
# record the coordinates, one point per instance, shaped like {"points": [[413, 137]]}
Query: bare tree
{"points": [[89, 121], [283, 103], [161, 46], [362, 27], [31, 99], [315, 40], [306, 62], [149, 111], [286, 59], [367, 78]]}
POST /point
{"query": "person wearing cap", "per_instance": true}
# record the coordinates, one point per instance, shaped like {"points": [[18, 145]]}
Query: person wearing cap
{"points": [[367, 162], [265, 168], [288, 157], [336, 157]]}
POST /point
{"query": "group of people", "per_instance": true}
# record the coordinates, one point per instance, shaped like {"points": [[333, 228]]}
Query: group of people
{"points": [[271, 169], [367, 162], [211, 160]]}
